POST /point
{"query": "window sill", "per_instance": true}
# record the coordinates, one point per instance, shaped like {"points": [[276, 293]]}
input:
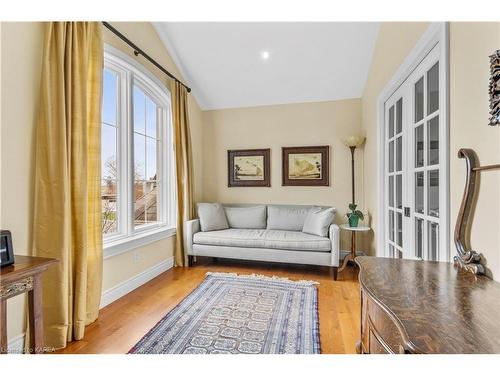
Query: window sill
{"points": [[123, 245]]}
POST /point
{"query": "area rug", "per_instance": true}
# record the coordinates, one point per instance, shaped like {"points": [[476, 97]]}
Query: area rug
{"points": [[231, 314]]}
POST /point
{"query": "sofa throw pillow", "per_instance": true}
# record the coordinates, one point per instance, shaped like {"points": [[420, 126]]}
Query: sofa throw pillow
{"points": [[318, 221], [253, 217], [212, 217], [283, 217]]}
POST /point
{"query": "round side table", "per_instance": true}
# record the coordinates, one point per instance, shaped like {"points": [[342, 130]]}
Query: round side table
{"points": [[353, 231]]}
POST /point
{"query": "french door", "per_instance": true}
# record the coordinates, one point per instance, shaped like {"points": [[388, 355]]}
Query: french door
{"points": [[414, 170]]}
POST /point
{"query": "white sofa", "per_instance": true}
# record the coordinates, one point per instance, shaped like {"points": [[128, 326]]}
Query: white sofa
{"points": [[269, 233]]}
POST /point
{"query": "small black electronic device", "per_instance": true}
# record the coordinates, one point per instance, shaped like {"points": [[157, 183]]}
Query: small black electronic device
{"points": [[6, 250]]}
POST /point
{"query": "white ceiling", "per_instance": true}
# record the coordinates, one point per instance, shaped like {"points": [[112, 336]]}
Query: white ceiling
{"points": [[308, 62]]}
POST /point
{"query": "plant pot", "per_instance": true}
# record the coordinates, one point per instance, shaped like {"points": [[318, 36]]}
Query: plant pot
{"points": [[353, 221]]}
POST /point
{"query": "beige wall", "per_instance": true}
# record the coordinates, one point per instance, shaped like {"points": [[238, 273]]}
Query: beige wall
{"points": [[470, 46], [305, 124], [21, 54]]}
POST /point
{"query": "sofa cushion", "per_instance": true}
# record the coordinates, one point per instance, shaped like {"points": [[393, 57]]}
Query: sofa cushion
{"points": [[286, 217], [212, 217], [263, 238], [253, 217], [318, 221]]}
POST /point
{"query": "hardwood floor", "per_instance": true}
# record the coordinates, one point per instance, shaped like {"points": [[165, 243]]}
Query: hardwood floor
{"points": [[125, 321]]}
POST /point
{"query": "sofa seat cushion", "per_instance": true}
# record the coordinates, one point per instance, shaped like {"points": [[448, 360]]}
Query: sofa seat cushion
{"points": [[263, 238]]}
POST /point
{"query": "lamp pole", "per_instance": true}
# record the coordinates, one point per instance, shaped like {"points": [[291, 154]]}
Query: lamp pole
{"points": [[353, 148]]}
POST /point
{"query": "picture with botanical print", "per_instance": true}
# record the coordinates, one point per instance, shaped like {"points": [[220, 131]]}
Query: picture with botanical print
{"points": [[305, 166], [249, 167]]}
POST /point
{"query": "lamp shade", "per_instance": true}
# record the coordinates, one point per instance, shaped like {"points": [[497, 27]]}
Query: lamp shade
{"points": [[354, 140]]}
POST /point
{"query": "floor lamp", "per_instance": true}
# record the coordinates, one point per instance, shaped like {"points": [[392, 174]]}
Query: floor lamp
{"points": [[352, 142]]}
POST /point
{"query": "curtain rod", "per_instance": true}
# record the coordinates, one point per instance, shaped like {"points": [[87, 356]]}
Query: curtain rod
{"points": [[138, 51]]}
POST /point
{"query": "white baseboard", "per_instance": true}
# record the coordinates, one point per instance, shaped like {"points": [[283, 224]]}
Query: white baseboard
{"points": [[16, 344], [134, 282]]}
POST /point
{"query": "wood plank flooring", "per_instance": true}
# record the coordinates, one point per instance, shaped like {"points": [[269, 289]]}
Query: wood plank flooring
{"points": [[125, 321]]}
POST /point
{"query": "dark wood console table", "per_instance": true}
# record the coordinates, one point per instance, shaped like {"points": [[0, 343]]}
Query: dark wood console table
{"points": [[24, 276], [411, 306]]}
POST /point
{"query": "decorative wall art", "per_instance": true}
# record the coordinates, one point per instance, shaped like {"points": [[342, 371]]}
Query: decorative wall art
{"points": [[306, 166], [249, 167], [495, 88]]}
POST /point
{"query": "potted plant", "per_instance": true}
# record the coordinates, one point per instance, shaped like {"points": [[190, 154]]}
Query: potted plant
{"points": [[354, 216]]}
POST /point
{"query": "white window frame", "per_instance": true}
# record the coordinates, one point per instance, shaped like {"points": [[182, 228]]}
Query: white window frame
{"points": [[127, 237], [437, 33]]}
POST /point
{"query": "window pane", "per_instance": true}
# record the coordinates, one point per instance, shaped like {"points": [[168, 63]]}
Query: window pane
{"points": [[433, 89], [139, 157], [399, 116], [108, 206], [419, 238], [433, 193], [391, 122], [109, 83], [139, 111], [391, 225], [433, 137], [433, 240], [391, 156], [399, 154], [391, 191], [419, 192], [151, 201], [150, 159], [150, 118], [391, 251], [399, 191], [400, 228], [139, 203], [419, 146], [108, 152], [419, 100]]}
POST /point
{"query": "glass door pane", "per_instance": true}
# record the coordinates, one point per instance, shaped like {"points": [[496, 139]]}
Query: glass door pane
{"points": [[394, 170], [426, 161]]}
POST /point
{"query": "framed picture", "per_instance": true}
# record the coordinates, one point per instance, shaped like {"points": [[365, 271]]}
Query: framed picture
{"points": [[249, 167], [306, 166]]}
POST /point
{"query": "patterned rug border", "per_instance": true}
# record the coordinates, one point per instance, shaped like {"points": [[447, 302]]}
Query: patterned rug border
{"points": [[263, 277], [273, 278]]}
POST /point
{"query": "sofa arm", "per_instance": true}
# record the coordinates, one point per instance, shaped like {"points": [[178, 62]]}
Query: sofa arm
{"points": [[190, 228], [334, 234]]}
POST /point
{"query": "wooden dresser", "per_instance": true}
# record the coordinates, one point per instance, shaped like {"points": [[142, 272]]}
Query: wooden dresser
{"points": [[411, 306]]}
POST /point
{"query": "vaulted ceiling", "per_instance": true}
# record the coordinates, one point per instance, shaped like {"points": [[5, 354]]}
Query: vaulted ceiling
{"points": [[253, 64]]}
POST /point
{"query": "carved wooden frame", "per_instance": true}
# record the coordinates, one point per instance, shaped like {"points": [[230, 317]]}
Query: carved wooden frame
{"points": [[466, 257], [494, 88]]}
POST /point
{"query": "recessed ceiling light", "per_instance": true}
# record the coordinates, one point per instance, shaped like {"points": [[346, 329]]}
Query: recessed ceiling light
{"points": [[264, 55]]}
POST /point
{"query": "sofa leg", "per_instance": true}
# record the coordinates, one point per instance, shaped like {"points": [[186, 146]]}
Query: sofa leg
{"points": [[335, 273], [190, 261]]}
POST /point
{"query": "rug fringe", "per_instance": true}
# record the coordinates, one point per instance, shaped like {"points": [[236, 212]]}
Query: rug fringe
{"points": [[263, 277]]}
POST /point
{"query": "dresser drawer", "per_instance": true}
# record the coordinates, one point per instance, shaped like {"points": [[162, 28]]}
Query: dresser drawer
{"points": [[379, 334]]}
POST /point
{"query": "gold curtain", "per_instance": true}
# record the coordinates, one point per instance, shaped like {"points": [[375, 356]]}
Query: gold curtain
{"points": [[184, 167], [67, 207]]}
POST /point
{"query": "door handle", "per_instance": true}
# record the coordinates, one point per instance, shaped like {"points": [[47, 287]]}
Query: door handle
{"points": [[407, 211]]}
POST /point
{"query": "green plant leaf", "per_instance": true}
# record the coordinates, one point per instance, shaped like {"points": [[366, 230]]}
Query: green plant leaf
{"points": [[359, 214], [352, 206]]}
